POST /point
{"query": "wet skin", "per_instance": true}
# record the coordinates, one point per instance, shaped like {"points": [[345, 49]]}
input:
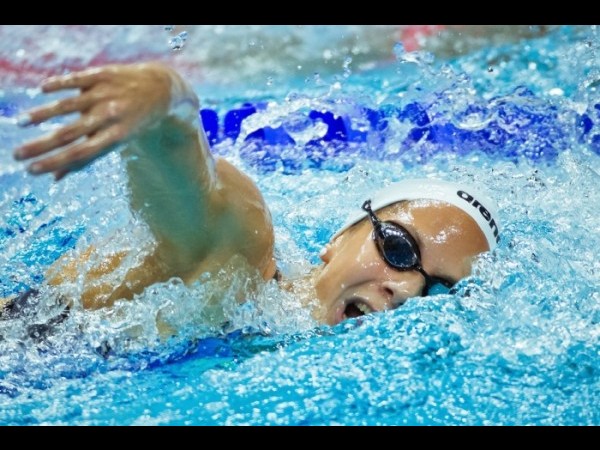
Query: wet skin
{"points": [[204, 212], [355, 279]]}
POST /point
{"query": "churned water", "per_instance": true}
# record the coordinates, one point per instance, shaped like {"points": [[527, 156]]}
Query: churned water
{"points": [[518, 343]]}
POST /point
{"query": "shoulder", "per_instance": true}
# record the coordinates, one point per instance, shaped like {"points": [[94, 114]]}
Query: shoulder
{"points": [[254, 236]]}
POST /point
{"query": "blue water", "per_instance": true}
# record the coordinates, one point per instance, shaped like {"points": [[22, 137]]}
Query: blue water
{"points": [[518, 343]]}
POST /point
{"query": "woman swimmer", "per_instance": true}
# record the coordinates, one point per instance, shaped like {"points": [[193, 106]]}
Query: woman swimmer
{"points": [[205, 213]]}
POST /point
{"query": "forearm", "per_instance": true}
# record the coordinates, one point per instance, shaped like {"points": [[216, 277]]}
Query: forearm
{"points": [[172, 175]]}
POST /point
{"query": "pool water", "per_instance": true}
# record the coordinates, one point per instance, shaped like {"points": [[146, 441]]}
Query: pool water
{"points": [[517, 343]]}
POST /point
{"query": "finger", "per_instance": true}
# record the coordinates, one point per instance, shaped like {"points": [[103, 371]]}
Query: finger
{"points": [[82, 80], [80, 154], [60, 138], [59, 108], [60, 174]]}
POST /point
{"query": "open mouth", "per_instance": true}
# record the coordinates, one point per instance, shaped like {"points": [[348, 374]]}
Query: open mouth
{"points": [[356, 308]]}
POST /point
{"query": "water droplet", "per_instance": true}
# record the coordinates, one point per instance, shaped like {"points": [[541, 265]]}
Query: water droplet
{"points": [[169, 27], [490, 69], [399, 50], [269, 81], [346, 67], [177, 42], [303, 129], [556, 92]]}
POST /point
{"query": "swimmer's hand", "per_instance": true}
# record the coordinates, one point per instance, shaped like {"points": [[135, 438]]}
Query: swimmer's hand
{"points": [[115, 103]]}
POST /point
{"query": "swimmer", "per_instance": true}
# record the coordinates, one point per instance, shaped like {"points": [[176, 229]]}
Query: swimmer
{"points": [[407, 240]]}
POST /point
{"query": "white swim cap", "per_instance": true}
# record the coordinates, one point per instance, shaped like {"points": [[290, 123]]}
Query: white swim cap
{"points": [[477, 205]]}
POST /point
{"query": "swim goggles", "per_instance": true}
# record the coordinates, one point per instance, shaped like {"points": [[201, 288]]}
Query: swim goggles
{"points": [[401, 252]]}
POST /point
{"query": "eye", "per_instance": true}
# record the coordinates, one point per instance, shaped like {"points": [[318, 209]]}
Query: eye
{"points": [[399, 251], [438, 288], [441, 281], [434, 286], [399, 246]]}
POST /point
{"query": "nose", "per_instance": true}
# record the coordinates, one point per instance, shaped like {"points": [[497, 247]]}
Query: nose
{"points": [[397, 292]]}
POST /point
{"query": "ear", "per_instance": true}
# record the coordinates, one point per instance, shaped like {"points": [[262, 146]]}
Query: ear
{"points": [[325, 253], [331, 248]]}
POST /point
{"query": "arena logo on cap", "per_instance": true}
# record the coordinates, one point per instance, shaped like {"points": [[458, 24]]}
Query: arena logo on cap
{"points": [[482, 210]]}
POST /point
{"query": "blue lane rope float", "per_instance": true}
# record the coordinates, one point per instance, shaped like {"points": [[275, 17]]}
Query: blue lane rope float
{"points": [[514, 130]]}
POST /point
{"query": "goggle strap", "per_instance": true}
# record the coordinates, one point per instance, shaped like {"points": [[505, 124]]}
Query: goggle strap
{"points": [[374, 219]]}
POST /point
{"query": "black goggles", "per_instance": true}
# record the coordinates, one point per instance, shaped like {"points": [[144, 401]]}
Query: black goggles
{"points": [[400, 250]]}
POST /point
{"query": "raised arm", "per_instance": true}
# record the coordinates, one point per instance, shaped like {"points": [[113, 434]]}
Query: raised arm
{"points": [[201, 211]]}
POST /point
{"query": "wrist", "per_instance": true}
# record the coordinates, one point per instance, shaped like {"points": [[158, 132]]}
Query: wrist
{"points": [[181, 101], [184, 102]]}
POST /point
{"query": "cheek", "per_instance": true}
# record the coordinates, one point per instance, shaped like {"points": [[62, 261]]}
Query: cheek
{"points": [[350, 262], [363, 263]]}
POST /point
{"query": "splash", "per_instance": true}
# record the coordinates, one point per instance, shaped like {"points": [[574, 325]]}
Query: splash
{"points": [[516, 344]]}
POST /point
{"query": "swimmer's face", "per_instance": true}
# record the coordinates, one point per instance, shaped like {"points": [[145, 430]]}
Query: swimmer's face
{"points": [[355, 279]]}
